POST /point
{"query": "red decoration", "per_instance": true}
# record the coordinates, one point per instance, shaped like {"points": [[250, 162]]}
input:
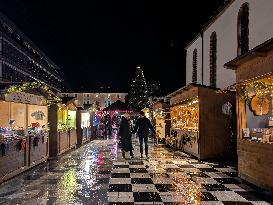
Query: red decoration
{"points": [[35, 124]]}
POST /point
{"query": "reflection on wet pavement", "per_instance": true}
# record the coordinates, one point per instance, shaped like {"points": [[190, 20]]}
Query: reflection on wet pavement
{"points": [[96, 174], [80, 177]]}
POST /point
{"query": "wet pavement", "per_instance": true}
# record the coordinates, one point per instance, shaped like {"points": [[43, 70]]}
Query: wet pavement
{"points": [[80, 177], [96, 174]]}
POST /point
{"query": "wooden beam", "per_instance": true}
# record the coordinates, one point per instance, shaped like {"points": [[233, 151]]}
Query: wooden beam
{"points": [[260, 53]]}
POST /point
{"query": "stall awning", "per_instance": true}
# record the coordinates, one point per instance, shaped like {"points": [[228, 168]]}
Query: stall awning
{"points": [[118, 105], [259, 51]]}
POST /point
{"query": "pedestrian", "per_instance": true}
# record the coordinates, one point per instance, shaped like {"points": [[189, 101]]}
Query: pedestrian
{"points": [[142, 128], [108, 126], [126, 136]]}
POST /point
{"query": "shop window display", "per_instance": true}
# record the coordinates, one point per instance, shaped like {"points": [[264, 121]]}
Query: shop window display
{"points": [[185, 116], [257, 95]]}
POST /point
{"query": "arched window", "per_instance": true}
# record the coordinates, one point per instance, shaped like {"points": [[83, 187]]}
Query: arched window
{"points": [[243, 29], [213, 58], [194, 66]]}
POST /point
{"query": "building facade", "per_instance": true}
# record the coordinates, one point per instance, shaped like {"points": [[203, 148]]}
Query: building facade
{"points": [[22, 61], [239, 26], [103, 100]]}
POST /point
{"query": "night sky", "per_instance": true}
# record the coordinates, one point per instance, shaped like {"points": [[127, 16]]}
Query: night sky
{"points": [[99, 43]]}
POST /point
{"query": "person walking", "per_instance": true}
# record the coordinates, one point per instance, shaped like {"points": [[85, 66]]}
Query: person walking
{"points": [[126, 136], [108, 126], [142, 128]]}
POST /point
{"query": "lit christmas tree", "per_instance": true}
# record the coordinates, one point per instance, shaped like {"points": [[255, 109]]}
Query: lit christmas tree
{"points": [[138, 97], [154, 89]]}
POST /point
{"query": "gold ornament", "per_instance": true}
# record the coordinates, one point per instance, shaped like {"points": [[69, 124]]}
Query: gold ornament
{"points": [[260, 104]]}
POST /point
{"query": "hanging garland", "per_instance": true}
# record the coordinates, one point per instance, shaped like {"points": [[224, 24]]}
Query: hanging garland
{"points": [[256, 94], [52, 98], [259, 87]]}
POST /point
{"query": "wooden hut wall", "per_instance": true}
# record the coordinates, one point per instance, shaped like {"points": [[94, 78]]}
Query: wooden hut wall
{"points": [[15, 162], [37, 113], [53, 130], [5, 113], [80, 138], [214, 126], [255, 67], [18, 160], [18, 112]]}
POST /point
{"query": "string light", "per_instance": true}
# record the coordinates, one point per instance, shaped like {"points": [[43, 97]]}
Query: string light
{"points": [[50, 96], [186, 116], [259, 87]]}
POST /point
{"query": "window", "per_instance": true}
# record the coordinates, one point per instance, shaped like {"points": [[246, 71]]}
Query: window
{"points": [[194, 66], [243, 29], [213, 58]]}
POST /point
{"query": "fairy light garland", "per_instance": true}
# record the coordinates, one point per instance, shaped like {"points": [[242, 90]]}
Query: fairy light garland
{"points": [[258, 87], [159, 114], [186, 115], [51, 99]]}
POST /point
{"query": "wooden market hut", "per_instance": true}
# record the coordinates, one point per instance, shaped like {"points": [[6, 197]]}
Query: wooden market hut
{"points": [[198, 123], [254, 85], [24, 127], [63, 126]]}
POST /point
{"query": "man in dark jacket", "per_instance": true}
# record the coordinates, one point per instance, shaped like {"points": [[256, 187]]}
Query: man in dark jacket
{"points": [[142, 128]]}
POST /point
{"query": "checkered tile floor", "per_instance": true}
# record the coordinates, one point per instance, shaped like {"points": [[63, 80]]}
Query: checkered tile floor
{"points": [[170, 179], [96, 174]]}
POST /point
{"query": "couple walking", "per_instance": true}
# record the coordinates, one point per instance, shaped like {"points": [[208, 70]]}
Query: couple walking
{"points": [[142, 128]]}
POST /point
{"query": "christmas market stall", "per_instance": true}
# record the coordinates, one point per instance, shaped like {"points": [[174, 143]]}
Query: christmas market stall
{"points": [[24, 127], [85, 127], [161, 120], [62, 119], [254, 76], [199, 125], [84, 123]]}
